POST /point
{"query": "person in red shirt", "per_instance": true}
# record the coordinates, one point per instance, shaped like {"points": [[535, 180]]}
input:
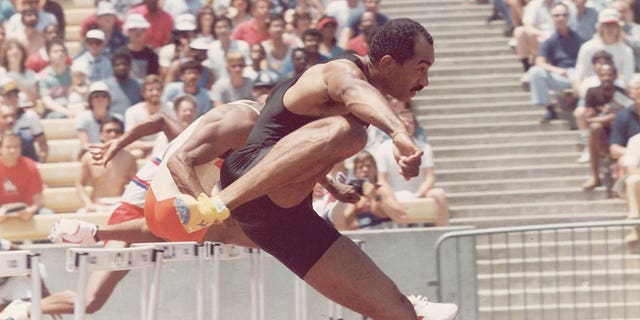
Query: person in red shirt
{"points": [[20, 182], [159, 33], [255, 30]]}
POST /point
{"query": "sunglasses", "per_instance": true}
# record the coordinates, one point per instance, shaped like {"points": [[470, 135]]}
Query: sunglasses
{"points": [[116, 131], [557, 15], [100, 95], [233, 66]]}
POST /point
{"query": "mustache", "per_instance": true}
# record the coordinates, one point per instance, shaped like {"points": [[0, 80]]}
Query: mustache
{"points": [[417, 88]]}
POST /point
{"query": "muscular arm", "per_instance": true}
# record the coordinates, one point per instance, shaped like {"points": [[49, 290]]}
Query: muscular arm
{"points": [[220, 131]]}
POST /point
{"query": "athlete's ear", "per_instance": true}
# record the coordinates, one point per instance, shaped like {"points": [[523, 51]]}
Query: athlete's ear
{"points": [[386, 62]]}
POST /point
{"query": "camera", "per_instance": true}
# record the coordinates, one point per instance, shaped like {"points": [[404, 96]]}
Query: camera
{"points": [[357, 184]]}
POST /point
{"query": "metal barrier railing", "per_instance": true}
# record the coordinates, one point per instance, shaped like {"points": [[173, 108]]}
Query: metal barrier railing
{"points": [[556, 271]]}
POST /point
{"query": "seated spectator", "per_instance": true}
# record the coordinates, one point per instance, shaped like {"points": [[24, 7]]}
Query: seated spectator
{"points": [[184, 31], [88, 122], [91, 22], [98, 65], [367, 27], [54, 82], [197, 52], [27, 122], [8, 117], [258, 61], [299, 62], [329, 45], [12, 58], [79, 89], [107, 21], [107, 181], [609, 38], [239, 11], [145, 60], [344, 11], [263, 84], [160, 23], [125, 91], [186, 110], [587, 18], [299, 22], [555, 62], [6, 11], [537, 26], [205, 24], [237, 86], [276, 48], [626, 123], [32, 38], [54, 8], [40, 59], [22, 185], [353, 29], [15, 25], [630, 169], [178, 7], [631, 29], [152, 104], [311, 40], [190, 72], [378, 205], [255, 29], [216, 56], [420, 187], [602, 104]]}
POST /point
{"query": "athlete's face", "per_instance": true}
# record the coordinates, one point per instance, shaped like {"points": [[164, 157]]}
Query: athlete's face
{"points": [[406, 79]]}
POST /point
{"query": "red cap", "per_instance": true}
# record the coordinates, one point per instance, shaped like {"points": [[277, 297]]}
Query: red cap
{"points": [[325, 20]]}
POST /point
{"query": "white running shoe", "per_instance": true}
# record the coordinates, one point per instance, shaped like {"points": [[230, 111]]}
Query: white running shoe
{"points": [[427, 310], [16, 310], [73, 231], [585, 157]]}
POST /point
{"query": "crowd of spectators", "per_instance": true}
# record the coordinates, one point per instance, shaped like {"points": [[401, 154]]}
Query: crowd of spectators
{"points": [[138, 58]]}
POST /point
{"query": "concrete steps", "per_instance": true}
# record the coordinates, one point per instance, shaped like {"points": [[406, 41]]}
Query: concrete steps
{"points": [[495, 138]]}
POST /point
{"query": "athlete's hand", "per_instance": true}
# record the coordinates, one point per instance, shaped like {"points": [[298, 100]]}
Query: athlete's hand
{"points": [[343, 192], [407, 154], [103, 153]]}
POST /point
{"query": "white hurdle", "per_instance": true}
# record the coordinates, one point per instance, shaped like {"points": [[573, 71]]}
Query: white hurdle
{"points": [[174, 252], [217, 252], [23, 263], [85, 260]]}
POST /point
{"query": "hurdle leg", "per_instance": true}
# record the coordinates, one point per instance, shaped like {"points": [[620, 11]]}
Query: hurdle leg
{"points": [[261, 305], [36, 287], [154, 294], [215, 287], [144, 294], [255, 305], [79, 308], [200, 284]]}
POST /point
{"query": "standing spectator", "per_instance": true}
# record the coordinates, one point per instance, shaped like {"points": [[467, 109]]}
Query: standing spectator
{"points": [[15, 26], [420, 187], [88, 122], [216, 56], [190, 72], [161, 23], [276, 48], [107, 21], [152, 104], [329, 45], [145, 60], [31, 38], [587, 18], [21, 181], [98, 65], [124, 90], [107, 182], [360, 43], [40, 59], [611, 39], [205, 23], [602, 103], [344, 11], [237, 86], [255, 29], [239, 11], [27, 122], [353, 29], [555, 62], [178, 49], [13, 59], [55, 80], [178, 7]]}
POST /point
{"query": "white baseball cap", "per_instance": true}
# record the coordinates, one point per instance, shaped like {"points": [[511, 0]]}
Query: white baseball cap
{"points": [[136, 21], [199, 44], [98, 86], [95, 34], [105, 8], [185, 22]]}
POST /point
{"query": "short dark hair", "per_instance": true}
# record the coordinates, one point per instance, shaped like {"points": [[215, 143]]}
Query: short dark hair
{"points": [[122, 53], [190, 64], [601, 54], [275, 17], [56, 41], [111, 119], [397, 38], [9, 134], [184, 98], [312, 32]]}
